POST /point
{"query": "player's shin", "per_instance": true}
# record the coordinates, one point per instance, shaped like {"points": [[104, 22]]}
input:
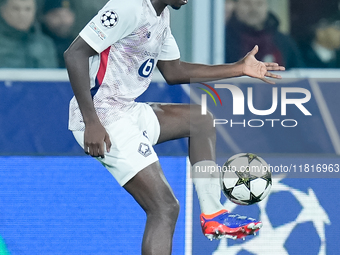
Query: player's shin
{"points": [[207, 183]]}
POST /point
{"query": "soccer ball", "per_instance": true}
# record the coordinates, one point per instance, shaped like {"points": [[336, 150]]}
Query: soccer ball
{"points": [[246, 179]]}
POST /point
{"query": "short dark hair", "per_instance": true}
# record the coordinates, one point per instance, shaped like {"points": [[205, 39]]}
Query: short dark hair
{"points": [[54, 4]]}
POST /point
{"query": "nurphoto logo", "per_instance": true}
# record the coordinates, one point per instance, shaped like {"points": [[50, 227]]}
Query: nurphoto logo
{"points": [[238, 104]]}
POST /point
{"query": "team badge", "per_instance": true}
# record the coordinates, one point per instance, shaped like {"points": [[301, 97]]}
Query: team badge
{"points": [[144, 149], [109, 19]]}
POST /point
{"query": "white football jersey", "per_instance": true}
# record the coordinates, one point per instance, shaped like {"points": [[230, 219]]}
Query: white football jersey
{"points": [[130, 38]]}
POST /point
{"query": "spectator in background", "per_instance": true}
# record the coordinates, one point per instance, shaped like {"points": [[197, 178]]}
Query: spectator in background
{"points": [[252, 24], [58, 21], [22, 44], [85, 10], [323, 50]]}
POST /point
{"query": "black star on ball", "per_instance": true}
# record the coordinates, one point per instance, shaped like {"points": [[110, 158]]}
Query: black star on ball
{"points": [[109, 19]]}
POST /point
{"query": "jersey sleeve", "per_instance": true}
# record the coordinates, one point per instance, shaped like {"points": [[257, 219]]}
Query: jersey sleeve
{"points": [[170, 49], [114, 21]]}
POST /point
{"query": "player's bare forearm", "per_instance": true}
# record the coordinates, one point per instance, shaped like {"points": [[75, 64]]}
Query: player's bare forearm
{"points": [[178, 72], [77, 64]]}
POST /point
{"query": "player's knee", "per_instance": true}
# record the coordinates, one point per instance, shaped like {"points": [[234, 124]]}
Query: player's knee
{"points": [[172, 210], [174, 207], [169, 210]]}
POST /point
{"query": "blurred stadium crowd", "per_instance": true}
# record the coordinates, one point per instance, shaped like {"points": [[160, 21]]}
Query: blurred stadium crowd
{"points": [[35, 33], [316, 45]]}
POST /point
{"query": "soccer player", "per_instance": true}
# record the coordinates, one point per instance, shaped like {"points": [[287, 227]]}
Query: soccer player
{"points": [[110, 64]]}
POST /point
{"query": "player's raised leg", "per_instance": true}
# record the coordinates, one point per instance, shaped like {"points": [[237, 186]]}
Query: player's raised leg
{"points": [[181, 120], [153, 193]]}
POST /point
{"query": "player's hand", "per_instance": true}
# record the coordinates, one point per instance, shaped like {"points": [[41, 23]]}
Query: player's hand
{"points": [[257, 69], [95, 136]]}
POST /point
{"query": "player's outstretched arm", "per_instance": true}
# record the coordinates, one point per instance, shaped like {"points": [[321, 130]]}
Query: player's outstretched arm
{"points": [[177, 72], [77, 64]]}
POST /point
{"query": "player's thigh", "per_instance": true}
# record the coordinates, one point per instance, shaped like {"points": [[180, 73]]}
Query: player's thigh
{"points": [[174, 120], [151, 190], [179, 120]]}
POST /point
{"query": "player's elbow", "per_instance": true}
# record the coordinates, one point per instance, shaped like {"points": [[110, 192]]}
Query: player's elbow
{"points": [[173, 79], [173, 72]]}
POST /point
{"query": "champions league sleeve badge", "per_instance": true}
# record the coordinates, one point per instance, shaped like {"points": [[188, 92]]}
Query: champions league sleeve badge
{"points": [[109, 19]]}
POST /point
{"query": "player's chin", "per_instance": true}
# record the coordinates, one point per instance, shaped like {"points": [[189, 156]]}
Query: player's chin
{"points": [[175, 7], [179, 5]]}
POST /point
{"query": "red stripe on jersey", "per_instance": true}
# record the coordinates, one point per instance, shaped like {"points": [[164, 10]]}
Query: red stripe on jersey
{"points": [[104, 56]]}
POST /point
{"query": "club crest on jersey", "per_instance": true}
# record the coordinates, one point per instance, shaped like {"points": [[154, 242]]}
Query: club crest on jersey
{"points": [[144, 149], [146, 68], [109, 19]]}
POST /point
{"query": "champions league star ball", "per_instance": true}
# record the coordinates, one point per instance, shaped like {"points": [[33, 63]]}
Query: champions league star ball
{"points": [[246, 179], [109, 19]]}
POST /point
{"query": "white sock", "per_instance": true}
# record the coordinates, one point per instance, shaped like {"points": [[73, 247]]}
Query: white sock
{"points": [[207, 186]]}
